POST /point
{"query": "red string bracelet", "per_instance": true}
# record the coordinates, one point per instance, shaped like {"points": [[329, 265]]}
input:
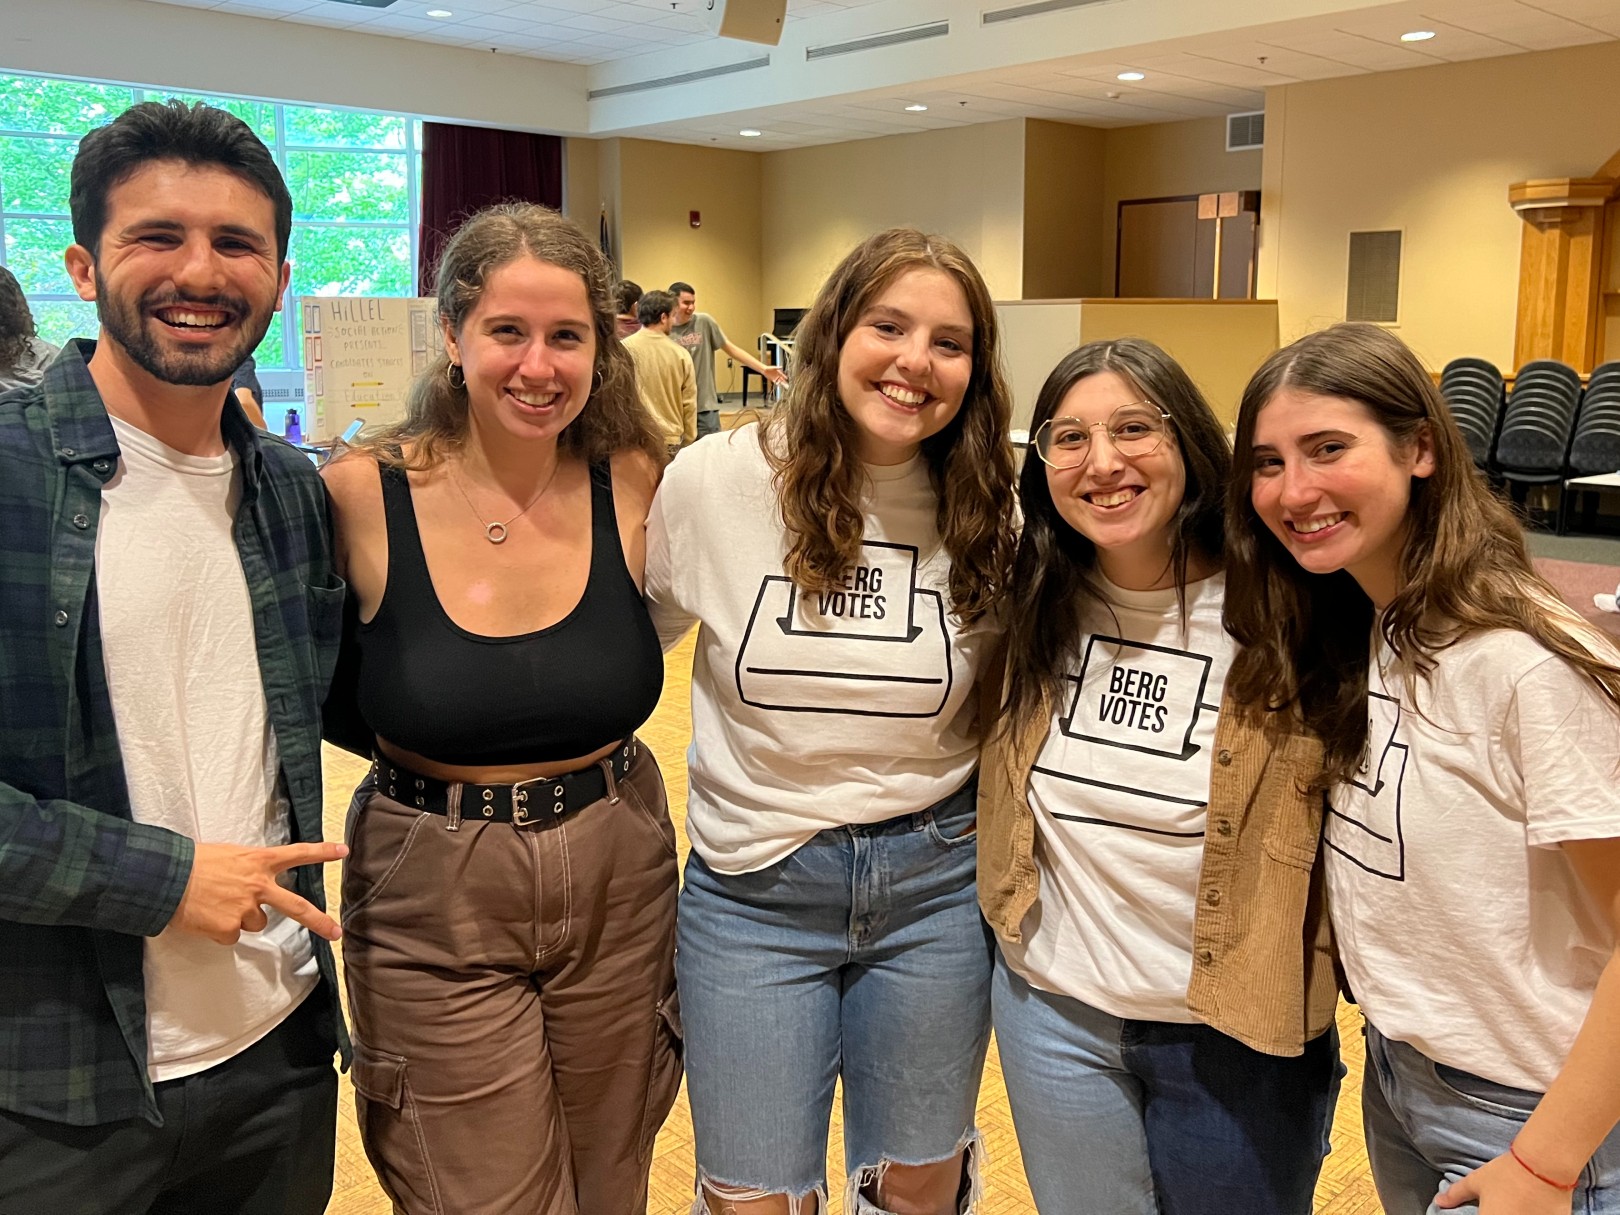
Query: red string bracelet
{"points": [[1541, 1177]]}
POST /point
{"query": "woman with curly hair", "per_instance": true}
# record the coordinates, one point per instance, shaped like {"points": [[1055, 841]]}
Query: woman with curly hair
{"points": [[1472, 731], [509, 896], [842, 560], [23, 353]]}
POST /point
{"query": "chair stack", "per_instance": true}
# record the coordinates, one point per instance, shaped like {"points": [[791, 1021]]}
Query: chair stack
{"points": [[1474, 390], [1594, 448], [1537, 422]]}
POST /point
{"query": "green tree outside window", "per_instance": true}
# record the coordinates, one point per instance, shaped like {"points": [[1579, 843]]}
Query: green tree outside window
{"points": [[354, 178]]}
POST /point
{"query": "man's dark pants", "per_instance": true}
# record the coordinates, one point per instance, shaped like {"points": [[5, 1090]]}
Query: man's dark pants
{"points": [[254, 1135]]}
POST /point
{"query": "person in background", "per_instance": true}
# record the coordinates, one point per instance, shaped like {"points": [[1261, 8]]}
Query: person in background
{"points": [[249, 392], [23, 353], [1128, 821], [625, 295], [842, 561], [509, 905], [699, 335], [169, 619], [1472, 730], [664, 374]]}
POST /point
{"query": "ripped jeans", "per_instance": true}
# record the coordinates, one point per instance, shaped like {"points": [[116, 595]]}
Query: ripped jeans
{"points": [[860, 955]]}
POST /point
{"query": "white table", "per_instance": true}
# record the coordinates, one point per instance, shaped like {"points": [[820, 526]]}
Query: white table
{"points": [[1603, 483]]}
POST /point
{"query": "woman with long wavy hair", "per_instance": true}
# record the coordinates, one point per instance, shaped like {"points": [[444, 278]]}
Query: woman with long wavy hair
{"points": [[842, 560], [1472, 771], [1164, 993], [23, 353], [509, 897]]}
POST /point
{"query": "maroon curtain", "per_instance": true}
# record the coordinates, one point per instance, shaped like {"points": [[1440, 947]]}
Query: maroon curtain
{"points": [[465, 168]]}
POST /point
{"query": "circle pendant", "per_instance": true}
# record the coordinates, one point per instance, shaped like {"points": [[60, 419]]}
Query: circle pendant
{"points": [[495, 533]]}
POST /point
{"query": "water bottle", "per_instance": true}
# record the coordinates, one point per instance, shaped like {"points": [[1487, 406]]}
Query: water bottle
{"points": [[292, 432]]}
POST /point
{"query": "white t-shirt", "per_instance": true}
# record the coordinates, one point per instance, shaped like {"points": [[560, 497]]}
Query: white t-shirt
{"points": [[1119, 791], [195, 736], [809, 711], [1462, 927]]}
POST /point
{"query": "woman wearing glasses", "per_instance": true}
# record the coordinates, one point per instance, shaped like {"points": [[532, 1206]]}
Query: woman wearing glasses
{"points": [[1164, 1006]]}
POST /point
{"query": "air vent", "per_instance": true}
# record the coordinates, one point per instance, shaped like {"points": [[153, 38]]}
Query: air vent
{"points": [[664, 82], [915, 33], [1375, 277], [368, 3], [1014, 13], [1245, 132]]}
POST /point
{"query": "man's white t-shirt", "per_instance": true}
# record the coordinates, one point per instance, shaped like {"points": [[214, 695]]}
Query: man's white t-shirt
{"points": [[809, 711], [1463, 928], [194, 732], [1119, 791]]}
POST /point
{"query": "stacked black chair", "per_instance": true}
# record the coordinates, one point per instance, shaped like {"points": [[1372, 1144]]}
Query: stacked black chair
{"points": [[1473, 388], [1594, 448], [1532, 446]]}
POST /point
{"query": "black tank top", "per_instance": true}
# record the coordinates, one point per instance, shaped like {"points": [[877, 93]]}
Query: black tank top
{"points": [[456, 697]]}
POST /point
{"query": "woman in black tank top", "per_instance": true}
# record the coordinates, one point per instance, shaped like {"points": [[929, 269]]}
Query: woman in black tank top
{"points": [[509, 898]]}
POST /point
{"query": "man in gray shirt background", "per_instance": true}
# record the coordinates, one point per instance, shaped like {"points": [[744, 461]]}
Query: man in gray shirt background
{"points": [[699, 335]]}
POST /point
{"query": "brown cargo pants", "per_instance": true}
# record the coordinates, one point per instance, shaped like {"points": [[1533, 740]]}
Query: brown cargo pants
{"points": [[512, 993]]}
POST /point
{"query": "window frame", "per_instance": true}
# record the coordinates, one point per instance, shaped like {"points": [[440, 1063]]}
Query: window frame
{"points": [[280, 149]]}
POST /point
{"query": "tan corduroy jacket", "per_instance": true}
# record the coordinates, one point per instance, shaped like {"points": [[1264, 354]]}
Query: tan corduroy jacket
{"points": [[1263, 963]]}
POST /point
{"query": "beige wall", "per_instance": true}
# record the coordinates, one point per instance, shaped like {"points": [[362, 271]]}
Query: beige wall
{"points": [[1164, 160], [651, 188], [966, 183], [1432, 153], [583, 199], [192, 48], [1063, 193]]}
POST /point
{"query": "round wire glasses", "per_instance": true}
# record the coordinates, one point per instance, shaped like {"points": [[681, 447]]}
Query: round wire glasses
{"points": [[1136, 429]]}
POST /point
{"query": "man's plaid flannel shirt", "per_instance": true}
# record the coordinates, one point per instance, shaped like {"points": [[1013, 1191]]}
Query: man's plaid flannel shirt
{"points": [[81, 883]]}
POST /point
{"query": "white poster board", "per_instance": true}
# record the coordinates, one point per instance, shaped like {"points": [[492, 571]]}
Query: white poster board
{"points": [[360, 355]]}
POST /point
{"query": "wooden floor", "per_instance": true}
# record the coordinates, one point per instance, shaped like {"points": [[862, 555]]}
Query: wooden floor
{"points": [[1345, 1189]]}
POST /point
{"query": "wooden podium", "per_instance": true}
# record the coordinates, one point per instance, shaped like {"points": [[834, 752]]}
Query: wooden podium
{"points": [[1569, 272]]}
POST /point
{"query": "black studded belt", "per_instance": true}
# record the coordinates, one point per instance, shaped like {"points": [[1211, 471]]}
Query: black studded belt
{"points": [[537, 802]]}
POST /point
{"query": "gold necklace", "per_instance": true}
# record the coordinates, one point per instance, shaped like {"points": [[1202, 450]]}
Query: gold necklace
{"points": [[494, 530]]}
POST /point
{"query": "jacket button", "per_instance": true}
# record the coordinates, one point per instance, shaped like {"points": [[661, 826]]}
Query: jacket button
{"points": [[1205, 956], [81, 521], [61, 618], [102, 466], [1223, 826], [1213, 898], [69, 452], [1223, 757]]}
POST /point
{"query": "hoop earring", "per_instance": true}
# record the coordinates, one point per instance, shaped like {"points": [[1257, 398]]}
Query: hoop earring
{"points": [[596, 382], [454, 376]]}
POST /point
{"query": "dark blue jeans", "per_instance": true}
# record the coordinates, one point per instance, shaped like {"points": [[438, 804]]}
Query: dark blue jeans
{"points": [[1119, 1117]]}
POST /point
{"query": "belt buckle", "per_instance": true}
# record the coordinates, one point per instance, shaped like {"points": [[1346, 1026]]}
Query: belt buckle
{"points": [[522, 816]]}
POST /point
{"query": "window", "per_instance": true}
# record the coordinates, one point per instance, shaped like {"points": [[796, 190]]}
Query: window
{"points": [[354, 178]]}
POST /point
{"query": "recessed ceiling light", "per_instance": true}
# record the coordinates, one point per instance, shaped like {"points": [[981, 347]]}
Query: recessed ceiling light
{"points": [[1131, 76], [1417, 36], [440, 12], [915, 109], [749, 133]]}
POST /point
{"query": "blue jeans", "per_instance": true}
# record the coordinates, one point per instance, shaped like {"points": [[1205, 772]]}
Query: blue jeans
{"points": [[1119, 1117], [708, 422], [861, 954], [1428, 1125]]}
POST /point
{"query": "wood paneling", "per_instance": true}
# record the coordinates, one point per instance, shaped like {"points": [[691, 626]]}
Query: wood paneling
{"points": [[1562, 268]]}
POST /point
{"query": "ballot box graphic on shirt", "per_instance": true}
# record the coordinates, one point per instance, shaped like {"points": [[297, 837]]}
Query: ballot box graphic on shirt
{"points": [[874, 646], [1123, 751], [1364, 815]]}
